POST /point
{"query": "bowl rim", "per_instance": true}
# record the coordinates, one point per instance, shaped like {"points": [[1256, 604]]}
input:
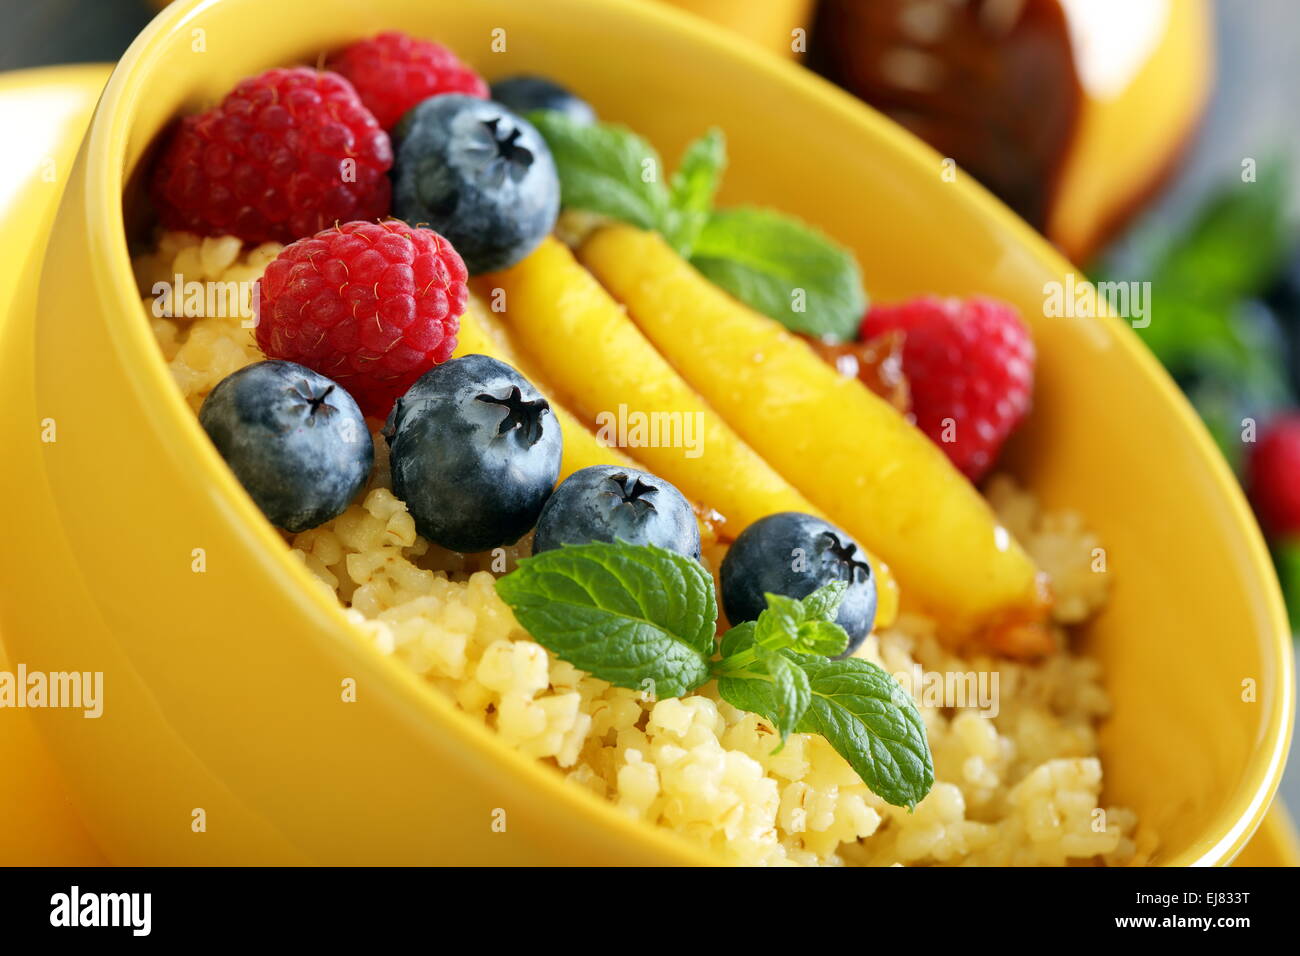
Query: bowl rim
{"points": [[167, 412]]}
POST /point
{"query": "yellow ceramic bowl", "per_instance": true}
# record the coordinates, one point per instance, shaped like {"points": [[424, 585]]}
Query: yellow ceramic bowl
{"points": [[224, 738]]}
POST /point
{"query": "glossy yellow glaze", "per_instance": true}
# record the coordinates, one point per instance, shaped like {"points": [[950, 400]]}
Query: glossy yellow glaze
{"points": [[223, 687]]}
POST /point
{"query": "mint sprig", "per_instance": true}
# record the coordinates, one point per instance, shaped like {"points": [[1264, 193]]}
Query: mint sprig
{"points": [[773, 263], [693, 188], [806, 626], [873, 724], [638, 617], [859, 708], [642, 617]]}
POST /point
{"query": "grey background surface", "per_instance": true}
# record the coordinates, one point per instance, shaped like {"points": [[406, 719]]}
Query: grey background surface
{"points": [[1254, 112]]}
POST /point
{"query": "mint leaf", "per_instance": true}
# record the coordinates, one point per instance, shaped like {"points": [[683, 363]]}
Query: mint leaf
{"points": [[739, 638], [793, 694], [819, 633], [696, 181], [805, 626], [873, 724], [777, 625], [780, 626], [820, 637], [784, 269], [603, 169], [624, 613], [824, 603], [636, 614], [784, 697], [692, 188]]}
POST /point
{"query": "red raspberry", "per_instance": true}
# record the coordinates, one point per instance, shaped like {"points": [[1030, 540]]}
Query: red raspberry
{"points": [[970, 366], [1272, 476], [286, 154], [371, 305], [393, 71]]}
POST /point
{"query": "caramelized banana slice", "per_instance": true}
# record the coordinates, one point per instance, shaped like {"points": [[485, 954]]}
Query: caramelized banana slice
{"points": [[849, 451]]}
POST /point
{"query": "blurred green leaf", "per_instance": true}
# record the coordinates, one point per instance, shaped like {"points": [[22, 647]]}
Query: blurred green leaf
{"points": [[1287, 557], [1233, 246], [1229, 251], [1223, 346], [1247, 378]]}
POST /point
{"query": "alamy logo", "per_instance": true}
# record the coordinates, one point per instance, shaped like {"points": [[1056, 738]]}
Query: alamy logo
{"points": [[75, 908], [1077, 298], [75, 690], [208, 300], [974, 690], [637, 429]]}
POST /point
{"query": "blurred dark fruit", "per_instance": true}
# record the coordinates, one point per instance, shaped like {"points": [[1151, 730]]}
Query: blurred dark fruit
{"points": [[997, 93]]}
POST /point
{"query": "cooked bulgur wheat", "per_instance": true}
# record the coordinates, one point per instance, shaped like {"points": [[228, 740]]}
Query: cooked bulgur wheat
{"points": [[1020, 787]]}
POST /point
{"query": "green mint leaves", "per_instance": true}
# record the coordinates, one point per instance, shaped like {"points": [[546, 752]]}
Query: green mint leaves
{"points": [[1208, 328], [605, 169], [784, 269], [873, 724], [771, 262], [806, 626], [693, 188], [861, 710], [608, 169], [645, 618], [638, 617], [775, 687]]}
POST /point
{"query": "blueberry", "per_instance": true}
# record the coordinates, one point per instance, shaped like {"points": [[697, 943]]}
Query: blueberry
{"points": [[794, 554], [478, 174], [475, 452], [295, 440], [526, 92], [609, 502]]}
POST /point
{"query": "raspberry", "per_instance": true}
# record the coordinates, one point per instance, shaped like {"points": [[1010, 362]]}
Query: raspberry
{"points": [[970, 367], [284, 155], [393, 71], [1272, 476], [371, 305]]}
